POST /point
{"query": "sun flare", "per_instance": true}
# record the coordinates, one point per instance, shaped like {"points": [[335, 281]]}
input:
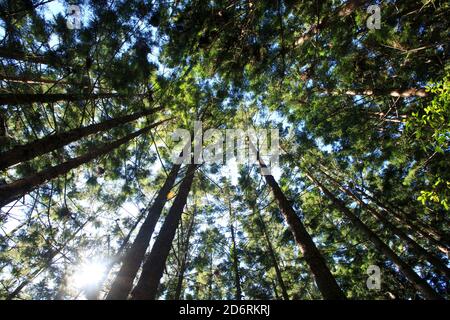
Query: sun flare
{"points": [[88, 274]]}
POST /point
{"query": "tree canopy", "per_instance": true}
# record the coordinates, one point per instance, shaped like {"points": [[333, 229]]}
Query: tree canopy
{"points": [[93, 205]]}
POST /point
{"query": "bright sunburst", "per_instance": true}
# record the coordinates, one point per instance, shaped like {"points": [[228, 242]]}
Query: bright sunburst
{"points": [[88, 274]]}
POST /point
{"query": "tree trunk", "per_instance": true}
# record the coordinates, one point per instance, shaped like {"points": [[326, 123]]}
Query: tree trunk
{"points": [[152, 271], [383, 116], [24, 98], [57, 140], [274, 259], [183, 266], [11, 53], [418, 282], [405, 93], [25, 79], [235, 257], [18, 188], [118, 256], [410, 222], [275, 290], [415, 247], [123, 282], [322, 275]]}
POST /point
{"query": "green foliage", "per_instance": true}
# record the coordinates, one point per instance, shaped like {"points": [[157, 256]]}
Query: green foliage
{"points": [[431, 125], [337, 91], [431, 129]]}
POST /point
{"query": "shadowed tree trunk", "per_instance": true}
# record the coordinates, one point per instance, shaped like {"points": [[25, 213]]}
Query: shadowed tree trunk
{"points": [[322, 275], [275, 290], [57, 140], [25, 79], [11, 53], [414, 246], [235, 257], [412, 223], [153, 268], [117, 257], [404, 268], [184, 260], [18, 188], [24, 98], [123, 282], [274, 258], [405, 93]]}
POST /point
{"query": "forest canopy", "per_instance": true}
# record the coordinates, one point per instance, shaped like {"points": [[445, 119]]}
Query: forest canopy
{"points": [[347, 195]]}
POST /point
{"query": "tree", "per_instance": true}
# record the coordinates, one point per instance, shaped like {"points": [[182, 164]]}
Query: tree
{"points": [[18, 188], [152, 270], [323, 277], [123, 283], [362, 177], [419, 283]]}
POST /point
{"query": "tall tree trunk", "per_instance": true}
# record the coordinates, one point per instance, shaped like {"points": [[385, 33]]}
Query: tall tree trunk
{"points": [[18, 188], [412, 223], [123, 283], [57, 140], [24, 98], [184, 260], [12, 53], [402, 92], [274, 259], [418, 282], [25, 79], [322, 275], [211, 275], [275, 290], [153, 268], [235, 257], [118, 256], [414, 246], [384, 116]]}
